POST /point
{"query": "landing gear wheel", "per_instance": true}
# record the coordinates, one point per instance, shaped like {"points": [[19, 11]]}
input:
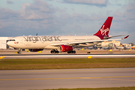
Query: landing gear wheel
{"points": [[71, 52], [54, 51]]}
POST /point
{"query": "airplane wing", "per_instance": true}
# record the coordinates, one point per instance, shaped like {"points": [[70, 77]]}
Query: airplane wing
{"points": [[118, 36], [88, 41], [76, 43], [126, 36]]}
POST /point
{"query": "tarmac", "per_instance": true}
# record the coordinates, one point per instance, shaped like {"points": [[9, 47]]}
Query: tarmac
{"points": [[11, 54], [37, 56], [115, 51], [66, 78]]}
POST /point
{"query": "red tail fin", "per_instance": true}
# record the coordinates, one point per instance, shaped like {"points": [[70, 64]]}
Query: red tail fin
{"points": [[104, 30]]}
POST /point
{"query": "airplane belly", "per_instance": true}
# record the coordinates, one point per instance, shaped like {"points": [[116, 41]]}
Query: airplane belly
{"points": [[34, 45]]}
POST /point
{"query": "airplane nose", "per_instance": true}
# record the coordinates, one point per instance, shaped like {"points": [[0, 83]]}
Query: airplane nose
{"points": [[9, 43]]}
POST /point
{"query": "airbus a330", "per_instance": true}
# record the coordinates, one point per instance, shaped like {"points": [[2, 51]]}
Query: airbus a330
{"points": [[63, 43]]}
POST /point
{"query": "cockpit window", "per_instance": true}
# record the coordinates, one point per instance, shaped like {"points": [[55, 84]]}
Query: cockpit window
{"points": [[12, 40]]}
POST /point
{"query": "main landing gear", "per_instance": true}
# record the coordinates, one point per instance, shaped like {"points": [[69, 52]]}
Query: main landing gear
{"points": [[71, 52], [54, 51]]}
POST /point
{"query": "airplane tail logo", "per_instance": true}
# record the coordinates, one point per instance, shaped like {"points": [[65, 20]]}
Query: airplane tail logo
{"points": [[104, 30]]}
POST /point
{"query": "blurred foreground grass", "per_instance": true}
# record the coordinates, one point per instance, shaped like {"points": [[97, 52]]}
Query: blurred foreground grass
{"points": [[65, 63], [113, 88]]}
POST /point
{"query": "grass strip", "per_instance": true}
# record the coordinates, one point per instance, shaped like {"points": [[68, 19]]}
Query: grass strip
{"points": [[113, 88], [65, 63]]}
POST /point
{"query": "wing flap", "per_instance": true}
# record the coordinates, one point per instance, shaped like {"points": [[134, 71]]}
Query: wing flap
{"points": [[84, 42]]}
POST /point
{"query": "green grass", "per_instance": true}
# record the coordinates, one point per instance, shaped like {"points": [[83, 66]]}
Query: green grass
{"points": [[114, 88], [65, 63]]}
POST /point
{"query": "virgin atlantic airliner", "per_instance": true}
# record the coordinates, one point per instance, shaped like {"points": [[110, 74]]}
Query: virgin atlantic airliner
{"points": [[63, 43]]}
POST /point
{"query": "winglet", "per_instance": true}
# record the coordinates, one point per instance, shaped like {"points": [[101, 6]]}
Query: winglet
{"points": [[104, 30], [126, 37]]}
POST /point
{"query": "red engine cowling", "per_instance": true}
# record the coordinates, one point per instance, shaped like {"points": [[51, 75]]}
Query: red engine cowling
{"points": [[66, 48], [35, 50]]}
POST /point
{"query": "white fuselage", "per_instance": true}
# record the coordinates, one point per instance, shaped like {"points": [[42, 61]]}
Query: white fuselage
{"points": [[38, 42]]}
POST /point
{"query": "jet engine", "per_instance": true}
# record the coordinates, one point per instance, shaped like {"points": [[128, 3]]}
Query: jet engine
{"points": [[66, 48], [35, 50]]}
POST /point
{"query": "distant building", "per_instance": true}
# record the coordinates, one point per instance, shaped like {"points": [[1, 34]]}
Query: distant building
{"points": [[3, 42], [109, 44], [127, 45]]}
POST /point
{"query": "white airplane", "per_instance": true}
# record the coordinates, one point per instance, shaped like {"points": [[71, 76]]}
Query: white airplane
{"points": [[63, 43]]}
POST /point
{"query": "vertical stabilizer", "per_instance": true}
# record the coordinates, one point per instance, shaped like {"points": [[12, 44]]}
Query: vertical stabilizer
{"points": [[104, 30]]}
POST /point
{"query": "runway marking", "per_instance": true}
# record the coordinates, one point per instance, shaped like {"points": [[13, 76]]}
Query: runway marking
{"points": [[71, 56], [2, 57], [64, 70], [66, 78], [16, 52], [89, 56], [122, 79]]}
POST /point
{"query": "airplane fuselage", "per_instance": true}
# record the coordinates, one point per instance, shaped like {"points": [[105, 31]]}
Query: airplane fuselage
{"points": [[36, 42]]}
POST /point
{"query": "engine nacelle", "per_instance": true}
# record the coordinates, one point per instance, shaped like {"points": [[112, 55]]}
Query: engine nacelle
{"points": [[66, 48], [35, 50]]}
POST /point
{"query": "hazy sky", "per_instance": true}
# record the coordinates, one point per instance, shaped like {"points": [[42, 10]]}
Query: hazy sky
{"points": [[66, 17]]}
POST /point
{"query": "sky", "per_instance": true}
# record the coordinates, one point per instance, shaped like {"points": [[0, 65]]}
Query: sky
{"points": [[66, 17]]}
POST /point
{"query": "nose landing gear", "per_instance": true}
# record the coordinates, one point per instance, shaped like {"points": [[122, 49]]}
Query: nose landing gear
{"points": [[19, 51]]}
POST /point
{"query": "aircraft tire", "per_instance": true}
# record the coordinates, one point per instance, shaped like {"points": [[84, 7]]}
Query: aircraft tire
{"points": [[54, 51], [71, 52]]}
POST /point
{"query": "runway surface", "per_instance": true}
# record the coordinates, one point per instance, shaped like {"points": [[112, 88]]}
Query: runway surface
{"points": [[66, 78], [23, 56]]}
